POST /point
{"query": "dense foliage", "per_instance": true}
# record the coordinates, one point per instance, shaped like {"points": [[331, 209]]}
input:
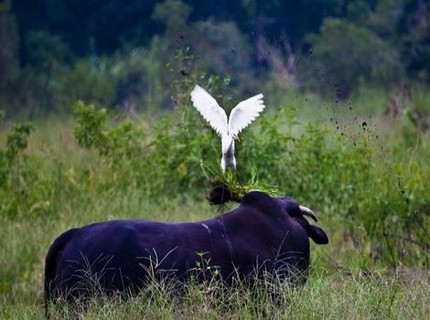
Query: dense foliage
{"points": [[116, 54]]}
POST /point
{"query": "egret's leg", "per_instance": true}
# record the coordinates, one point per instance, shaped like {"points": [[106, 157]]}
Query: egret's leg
{"points": [[222, 207]]}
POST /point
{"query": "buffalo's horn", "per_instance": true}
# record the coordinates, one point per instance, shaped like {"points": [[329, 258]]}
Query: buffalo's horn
{"points": [[308, 212]]}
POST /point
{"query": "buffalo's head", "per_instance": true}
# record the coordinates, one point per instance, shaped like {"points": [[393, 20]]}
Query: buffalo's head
{"points": [[297, 212]]}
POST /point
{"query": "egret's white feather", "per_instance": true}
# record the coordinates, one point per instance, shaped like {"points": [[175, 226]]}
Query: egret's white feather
{"points": [[244, 113], [210, 110], [240, 117]]}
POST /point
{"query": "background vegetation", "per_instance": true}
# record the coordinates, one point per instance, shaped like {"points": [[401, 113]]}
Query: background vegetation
{"points": [[115, 54], [96, 123]]}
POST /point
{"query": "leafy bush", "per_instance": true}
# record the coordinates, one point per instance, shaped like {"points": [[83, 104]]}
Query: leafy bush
{"points": [[163, 159], [13, 169]]}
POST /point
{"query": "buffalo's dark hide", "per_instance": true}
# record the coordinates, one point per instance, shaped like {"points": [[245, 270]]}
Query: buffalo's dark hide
{"points": [[263, 234]]}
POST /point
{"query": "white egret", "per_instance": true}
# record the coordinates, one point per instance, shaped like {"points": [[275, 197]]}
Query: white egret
{"points": [[228, 129]]}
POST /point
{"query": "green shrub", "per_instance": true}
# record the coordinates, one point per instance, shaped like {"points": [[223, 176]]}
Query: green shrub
{"points": [[14, 173]]}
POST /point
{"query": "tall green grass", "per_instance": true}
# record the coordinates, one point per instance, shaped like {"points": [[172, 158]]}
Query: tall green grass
{"points": [[335, 296]]}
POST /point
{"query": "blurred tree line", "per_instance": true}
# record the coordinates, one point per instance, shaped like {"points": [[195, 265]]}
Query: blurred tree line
{"points": [[126, 53]]}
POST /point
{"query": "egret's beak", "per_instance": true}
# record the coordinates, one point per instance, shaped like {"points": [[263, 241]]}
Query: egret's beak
{"points": [[236, 137]]}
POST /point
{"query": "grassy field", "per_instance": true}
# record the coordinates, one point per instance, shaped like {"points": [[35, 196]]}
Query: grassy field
{"points": [[366, 175]]}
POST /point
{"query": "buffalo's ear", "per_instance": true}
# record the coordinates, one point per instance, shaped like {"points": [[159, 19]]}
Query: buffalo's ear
{"points": [[317, 235]]}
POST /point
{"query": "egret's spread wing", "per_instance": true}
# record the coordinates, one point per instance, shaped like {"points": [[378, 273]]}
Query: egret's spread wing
{"points": [[210, 110], [244, 113]]}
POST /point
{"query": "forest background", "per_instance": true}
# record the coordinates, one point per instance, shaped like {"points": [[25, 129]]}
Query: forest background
{"points": [[115, 54]]}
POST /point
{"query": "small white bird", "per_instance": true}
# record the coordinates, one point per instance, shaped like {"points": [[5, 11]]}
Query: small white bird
{"points": [[240, 117]]}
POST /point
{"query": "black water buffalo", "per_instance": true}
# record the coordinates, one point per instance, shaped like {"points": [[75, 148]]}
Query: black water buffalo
{"points": [[262, 234]]}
